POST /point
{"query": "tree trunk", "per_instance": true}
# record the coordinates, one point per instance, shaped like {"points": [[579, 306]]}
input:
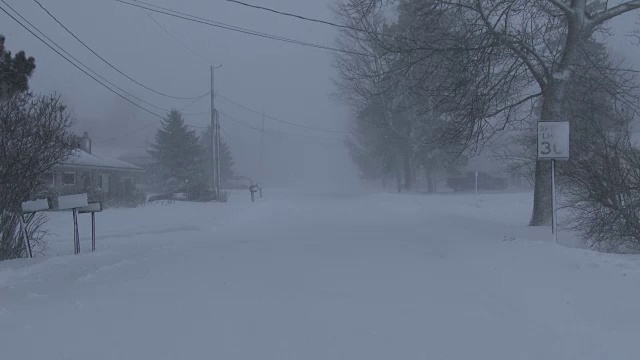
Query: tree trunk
{"points": [[408, 184], [552, 110], [430, 185], [399, 178], [542, 204]]}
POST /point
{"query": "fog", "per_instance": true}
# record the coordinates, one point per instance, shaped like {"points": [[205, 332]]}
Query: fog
{"points": [[290, 82], [286, 81]]}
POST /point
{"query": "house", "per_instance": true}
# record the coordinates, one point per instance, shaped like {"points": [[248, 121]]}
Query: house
{"points": [[86, 172]]}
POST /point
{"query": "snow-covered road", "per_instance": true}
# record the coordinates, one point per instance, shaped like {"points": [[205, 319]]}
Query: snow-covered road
{"points": [[330, 276]]}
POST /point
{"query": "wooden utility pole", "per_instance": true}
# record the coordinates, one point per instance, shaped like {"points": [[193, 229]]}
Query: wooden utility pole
{"points": [[215, 138], [261, 179]]}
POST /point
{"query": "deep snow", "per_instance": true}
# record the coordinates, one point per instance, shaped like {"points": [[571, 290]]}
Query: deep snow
{"points": [[325, 276]]}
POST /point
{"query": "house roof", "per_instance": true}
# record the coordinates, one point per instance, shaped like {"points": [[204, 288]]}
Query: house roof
{"points": [[83, 158]]}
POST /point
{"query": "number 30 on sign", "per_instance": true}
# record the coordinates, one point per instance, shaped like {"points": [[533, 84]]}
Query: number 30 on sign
{"points": [[553, 140]]}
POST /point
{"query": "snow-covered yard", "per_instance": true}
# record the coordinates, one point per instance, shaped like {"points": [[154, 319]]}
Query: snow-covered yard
{"points": [[326, 276]]}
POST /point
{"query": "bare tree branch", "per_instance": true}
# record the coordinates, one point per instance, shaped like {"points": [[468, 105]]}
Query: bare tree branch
{"points": [[617, 10]]}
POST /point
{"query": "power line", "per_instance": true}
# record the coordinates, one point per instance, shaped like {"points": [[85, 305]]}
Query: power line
{"points": [[279, 120], [273, 131], [299, 16], [187, 47], [68, 60], [320, 21], [110, 139], [201, 20], [155, 123], [226, 135], [194, 102], [107, 62], [80, 62]]}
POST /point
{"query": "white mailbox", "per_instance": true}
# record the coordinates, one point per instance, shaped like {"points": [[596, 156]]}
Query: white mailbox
{"points": [[72, 201], [35, 205], [91, 208]]}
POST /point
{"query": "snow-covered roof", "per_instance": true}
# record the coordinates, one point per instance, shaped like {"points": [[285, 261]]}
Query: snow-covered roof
{"points": [[83, 158]]}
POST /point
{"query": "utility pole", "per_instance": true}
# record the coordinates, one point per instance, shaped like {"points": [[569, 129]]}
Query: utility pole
{"points": [[218, 172], [262, 150], [215, 164]]}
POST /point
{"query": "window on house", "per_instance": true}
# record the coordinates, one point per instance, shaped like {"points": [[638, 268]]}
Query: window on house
{"points": [[68, 178], [86, 180], [103, 182]]}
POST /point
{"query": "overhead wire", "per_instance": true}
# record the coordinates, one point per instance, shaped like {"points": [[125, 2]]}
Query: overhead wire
{"points": [[300, 17], [184, 45], [193, 103], [81, 69], [68, 58], [277, 119], [135, 130], [106, 61], [78, 61], [217, 24], [270, 131]]}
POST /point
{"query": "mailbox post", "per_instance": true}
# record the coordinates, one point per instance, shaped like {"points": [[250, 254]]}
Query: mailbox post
{"points": [[253, 189], [74, 202], [92, 209], [30, 207]]}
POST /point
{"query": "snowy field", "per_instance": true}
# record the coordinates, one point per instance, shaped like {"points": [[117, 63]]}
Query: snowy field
{"points": [[325, 276]]}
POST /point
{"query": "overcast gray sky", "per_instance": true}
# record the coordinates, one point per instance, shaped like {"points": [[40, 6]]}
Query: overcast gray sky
{"points": [[287, 81], [290, 82]]}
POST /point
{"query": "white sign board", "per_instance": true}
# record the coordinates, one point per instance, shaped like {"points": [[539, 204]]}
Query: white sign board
{"points": [[35, 205], [553, 140], [72, 201], [91, 208]]}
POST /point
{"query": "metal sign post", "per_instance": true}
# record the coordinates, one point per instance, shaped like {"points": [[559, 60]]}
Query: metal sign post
{"points": [[76, 235], [92, 209], [93, 232], [74, 202], [553, 144]]}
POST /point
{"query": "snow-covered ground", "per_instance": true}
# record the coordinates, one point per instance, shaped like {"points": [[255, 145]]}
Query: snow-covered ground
{"points": [[325, 276]]}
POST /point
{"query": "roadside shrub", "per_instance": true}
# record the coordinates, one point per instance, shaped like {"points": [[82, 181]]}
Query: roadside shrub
{"points": [[602, 191], [224, 196], [200, 192], [35, 136], [127, 195], [11, 241]]}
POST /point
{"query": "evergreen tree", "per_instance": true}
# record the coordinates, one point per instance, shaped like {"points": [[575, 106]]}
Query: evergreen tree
{"points": [[14, 71], [177, 150]]}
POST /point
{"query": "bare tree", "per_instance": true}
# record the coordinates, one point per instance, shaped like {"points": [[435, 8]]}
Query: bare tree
{"points": [[511, 53], [396, 94], [603, 190], [34, 136]]}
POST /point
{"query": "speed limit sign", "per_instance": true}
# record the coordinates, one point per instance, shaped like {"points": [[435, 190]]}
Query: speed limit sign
{"points": [[553, 140]]}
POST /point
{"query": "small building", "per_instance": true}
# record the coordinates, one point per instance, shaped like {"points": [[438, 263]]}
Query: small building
{"points": [[86, 172]]}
